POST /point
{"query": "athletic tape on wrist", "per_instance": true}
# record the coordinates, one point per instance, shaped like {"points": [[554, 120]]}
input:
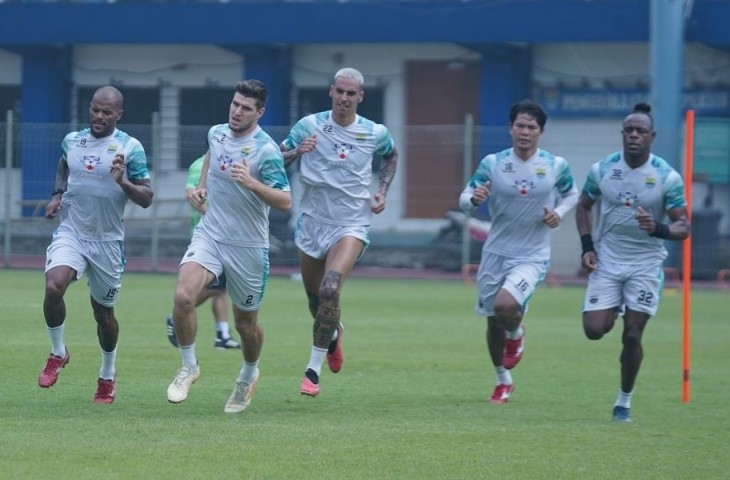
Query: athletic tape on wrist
{"points": [[586, 242], [661, 230]]}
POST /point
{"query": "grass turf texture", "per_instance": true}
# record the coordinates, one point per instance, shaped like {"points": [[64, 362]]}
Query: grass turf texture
{"points": [[410, 402]]}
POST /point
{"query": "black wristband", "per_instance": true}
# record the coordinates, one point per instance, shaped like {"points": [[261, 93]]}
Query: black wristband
{"points": [[661, 230], [586, 242], [57, 191]]}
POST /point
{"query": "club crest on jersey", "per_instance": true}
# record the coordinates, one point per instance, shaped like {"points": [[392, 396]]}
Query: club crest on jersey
{"points": [[524, 186], [245, 151], [91, 161], [224, 162], [111, 149], [343, 150], [650, 182], [540, 172], [627, 199], [361, 137]]}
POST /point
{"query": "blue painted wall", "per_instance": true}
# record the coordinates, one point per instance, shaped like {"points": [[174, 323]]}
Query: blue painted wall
{"points": [[367, 22], [44, 99]]}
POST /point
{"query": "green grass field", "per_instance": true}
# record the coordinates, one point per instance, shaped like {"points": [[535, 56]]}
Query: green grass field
{"points": [[410, 402]]}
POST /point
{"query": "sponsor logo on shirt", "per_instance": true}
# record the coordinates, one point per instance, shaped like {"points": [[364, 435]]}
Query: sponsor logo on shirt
{"points": [[627, 199], [224, 162], [524, 186], [343, 150], [91, 161]]}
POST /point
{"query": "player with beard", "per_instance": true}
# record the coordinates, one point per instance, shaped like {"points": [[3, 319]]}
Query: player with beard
{"points": [[243, 176], [336, 149], [100, 168]]}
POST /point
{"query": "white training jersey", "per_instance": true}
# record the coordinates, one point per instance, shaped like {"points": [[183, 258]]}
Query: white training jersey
{"points": [[620, 190], [519, 193], [236, 215], [93, 204], [336, 175]]}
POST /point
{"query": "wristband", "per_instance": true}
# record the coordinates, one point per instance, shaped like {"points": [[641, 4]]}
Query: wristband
{"points": [[58, 191], [586, 242], [473, 202], [661, 230]]}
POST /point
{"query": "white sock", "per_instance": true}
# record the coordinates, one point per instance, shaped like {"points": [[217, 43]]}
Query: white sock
{"points": [[248, 371], [504, 377], [624, 399], [108, 362], [188, 356], [221, 326], [316, 358], [58, 345], [514, 335]]}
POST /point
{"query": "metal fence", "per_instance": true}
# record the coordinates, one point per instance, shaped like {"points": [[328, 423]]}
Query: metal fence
{"points": [[421, 228]]}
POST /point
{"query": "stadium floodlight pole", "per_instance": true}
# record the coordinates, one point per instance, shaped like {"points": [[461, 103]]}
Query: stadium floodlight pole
{"points": [[687, 254]]}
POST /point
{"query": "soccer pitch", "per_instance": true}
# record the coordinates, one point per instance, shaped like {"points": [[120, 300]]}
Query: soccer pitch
{"points": [[410, 402]]}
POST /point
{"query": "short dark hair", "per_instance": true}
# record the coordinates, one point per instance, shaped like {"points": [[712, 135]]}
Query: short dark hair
{"points": [[253, 89], [531, 108], [643, 109]]}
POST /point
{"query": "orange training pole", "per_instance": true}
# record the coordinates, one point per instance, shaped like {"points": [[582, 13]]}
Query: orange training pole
{"points": [[687, 255]]}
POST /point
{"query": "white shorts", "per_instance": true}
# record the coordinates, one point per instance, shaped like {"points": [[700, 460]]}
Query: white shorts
{"points": [[637, 287], [246, 268], [103, 263], [316, 238], [518, 276]]}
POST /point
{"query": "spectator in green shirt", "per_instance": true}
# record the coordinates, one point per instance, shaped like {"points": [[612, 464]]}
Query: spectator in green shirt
{"points": [[216, 290]]}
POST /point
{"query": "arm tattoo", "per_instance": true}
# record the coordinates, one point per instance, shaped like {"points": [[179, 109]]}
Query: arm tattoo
{"points": [[387, 172], [290, 156]]}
